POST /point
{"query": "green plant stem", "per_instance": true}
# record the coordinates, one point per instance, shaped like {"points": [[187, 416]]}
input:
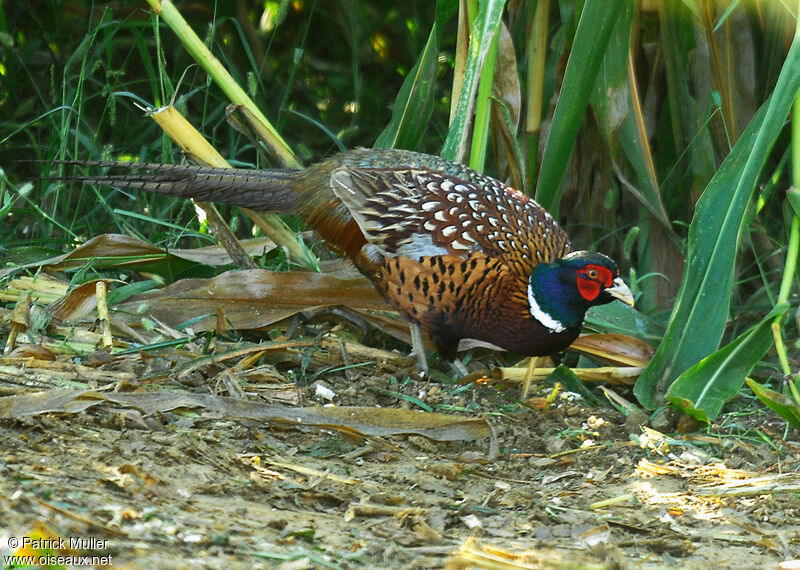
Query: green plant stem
{"points": [[792, 249], [485, 23], [537, 50], [461, 55], [202, 55], [483, 106], [794, 389], [537, 54], [272, 225]]}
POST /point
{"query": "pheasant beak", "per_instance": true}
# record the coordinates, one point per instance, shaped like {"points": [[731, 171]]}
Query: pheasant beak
{"points": [[621, 291]]}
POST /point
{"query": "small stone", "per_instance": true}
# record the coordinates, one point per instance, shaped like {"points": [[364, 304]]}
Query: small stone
{"points": [[664, 420], [634, 421]]}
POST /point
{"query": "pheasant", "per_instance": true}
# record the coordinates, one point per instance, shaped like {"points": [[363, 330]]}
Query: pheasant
{"points": [[459, 254]]}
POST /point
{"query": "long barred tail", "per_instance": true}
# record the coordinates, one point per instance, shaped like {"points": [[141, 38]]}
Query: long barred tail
{"points": [[262, 190]]}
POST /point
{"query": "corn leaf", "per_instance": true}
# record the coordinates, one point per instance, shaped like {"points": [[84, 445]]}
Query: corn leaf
{"points": [[777, 402], [702, 390], [698, 319], [610, 97], [592, 37]]}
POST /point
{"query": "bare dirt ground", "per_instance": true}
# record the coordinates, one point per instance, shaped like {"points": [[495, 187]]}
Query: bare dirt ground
{"points": [[566, 486]]}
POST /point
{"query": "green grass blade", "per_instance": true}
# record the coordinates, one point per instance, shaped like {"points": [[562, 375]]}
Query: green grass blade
{"points": [[698, 319], [589, 46], [414, 103], [121, 294], [728, 11], [691, 5]]}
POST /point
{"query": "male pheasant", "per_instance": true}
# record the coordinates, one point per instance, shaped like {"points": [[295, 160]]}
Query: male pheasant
{"points": [[465, 257]]}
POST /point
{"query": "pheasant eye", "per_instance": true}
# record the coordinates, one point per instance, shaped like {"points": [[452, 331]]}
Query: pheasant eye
{"points": [[592, 274]]}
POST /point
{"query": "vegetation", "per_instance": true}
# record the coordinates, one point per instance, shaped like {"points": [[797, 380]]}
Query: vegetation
{"points": [[656, 131]]}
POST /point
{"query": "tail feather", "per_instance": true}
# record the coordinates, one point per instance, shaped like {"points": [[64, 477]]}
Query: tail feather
{"points": [[304, 192], [262, 190]]}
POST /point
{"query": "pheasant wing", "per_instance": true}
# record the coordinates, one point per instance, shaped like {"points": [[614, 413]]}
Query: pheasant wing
{"points": [[416, 212]]}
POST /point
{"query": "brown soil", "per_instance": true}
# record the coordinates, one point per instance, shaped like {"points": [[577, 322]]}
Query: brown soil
{"points": [[180, 489]]}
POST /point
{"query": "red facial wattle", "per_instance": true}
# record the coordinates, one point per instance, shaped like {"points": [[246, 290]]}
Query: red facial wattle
{"points": [[592, 279]]}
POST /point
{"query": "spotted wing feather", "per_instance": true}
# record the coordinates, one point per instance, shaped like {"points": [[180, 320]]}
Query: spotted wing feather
{"points": [[415, 212]]}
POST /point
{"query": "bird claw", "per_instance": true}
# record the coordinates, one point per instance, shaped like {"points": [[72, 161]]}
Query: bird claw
{"points": [[422, 367], [458, 368], [421, 359]]}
